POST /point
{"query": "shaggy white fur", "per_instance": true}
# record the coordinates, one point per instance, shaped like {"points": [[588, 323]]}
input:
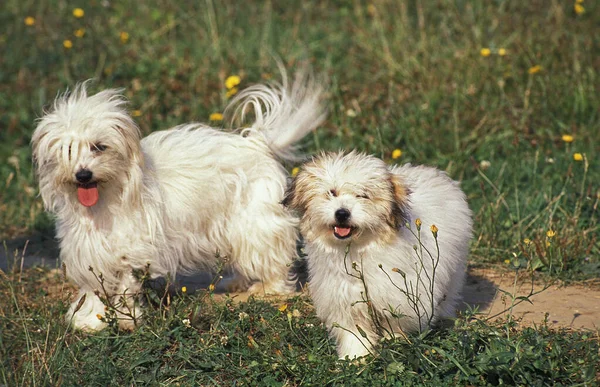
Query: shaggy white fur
{"points": [[179, 200], [372, 272]]}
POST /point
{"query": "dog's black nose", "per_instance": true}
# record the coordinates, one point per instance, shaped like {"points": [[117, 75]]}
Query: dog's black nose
{"points": [[342, 215], [84, 176]]}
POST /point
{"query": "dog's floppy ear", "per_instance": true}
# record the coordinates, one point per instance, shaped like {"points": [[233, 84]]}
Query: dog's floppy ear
{"points": [[290, 198], [400, 193]]}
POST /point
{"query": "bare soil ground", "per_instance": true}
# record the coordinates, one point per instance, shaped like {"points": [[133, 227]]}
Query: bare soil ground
{"points": [[574, 306]]}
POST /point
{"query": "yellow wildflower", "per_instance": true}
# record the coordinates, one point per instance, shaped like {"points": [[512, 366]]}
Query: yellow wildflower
{"points": [[211, 287], [216, 117], [535, 69], [282, 308], [577, 156], [396, 153], [502, 51], [183, 289], [434, 230], [527, 241], [567, 138], [231, 92], [67, 44], [507, 261], [99, 316], [79, 32], [485, 52], [136, 113], [579, 9], [295, 171], [232, 81], [550, 233], [418, 223], [29, 21], [124, 36], [78, 13]]}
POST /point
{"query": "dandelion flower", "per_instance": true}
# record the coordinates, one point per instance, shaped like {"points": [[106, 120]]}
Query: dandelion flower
{"points": [[232, 81], [282, 308], [99, 316], [124, 36], [295, 171], [579, 9], [136, 113], [550, 233], [577, 156], [216, 117], [67, 44], [507, 261], [183, 289], [79, 32], [535, 69], [29, 21], [502, 51], [567, 138], [211, 287], [396, 153], [418, 223], [78, 13], [232, 91], [485, 52], [527, 241]]}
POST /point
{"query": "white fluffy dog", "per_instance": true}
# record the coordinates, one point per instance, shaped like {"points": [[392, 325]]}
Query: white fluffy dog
{"points": [[176, 201], [369, 275]]}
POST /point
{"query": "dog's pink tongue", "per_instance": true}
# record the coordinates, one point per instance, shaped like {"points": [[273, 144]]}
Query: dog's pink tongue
{"points": [[342, 231], [88, 196]]}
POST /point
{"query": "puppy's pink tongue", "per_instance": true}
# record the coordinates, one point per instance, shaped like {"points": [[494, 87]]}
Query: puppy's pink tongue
{"points": [[342, 231], [87, 195]]}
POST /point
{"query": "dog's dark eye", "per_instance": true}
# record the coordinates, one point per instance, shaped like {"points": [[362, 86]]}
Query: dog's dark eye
{"points": [[98, 148], [333, 193]]}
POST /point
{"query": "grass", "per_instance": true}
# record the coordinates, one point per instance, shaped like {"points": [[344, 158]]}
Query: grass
{"points": [[403, 75], [204, 340]]}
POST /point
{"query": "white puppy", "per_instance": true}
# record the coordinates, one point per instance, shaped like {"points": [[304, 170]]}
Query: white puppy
{"points": [[374, 268], [176, 201]]}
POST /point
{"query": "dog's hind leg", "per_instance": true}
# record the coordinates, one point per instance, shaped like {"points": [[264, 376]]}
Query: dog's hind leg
{"points": [[263, 243]]}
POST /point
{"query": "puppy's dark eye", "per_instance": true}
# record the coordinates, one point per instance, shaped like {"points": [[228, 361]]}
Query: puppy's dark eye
{"points": [[333, 193], [363, 196], [98, 148]]}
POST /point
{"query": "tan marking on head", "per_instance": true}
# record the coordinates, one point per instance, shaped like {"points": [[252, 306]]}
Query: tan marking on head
{"points": [[400, 193]]}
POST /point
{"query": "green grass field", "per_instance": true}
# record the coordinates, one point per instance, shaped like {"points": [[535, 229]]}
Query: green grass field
{"points": [[503, 95]]}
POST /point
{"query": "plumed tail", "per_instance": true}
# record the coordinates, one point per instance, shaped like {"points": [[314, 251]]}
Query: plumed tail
{"points": [[283, 113]]}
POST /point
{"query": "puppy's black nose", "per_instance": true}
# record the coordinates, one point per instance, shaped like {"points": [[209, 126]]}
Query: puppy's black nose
{"points": [[84, 176], [342, 215]]}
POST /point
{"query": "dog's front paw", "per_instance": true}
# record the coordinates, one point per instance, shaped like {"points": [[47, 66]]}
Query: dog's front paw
{"points": [[87, 313], [272, 288]]}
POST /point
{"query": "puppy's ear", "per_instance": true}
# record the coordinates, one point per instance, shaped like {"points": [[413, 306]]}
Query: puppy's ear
{"points": [[298, 193], [400, 193], [290, 198]]}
